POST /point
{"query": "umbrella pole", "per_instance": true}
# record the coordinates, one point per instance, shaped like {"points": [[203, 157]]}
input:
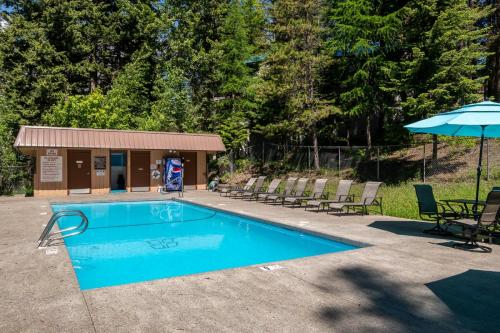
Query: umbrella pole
{"points": [[479, 170]]}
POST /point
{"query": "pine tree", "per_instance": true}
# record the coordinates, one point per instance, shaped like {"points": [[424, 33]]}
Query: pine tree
{"points": [[235, 105], [293, 70], [364, 36]]}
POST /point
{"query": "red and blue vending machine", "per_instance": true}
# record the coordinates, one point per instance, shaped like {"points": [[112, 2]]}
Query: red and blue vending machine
{"points": [[173, 174]]}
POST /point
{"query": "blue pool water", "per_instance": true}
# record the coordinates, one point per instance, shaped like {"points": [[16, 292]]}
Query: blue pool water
{"points": [[139, 241]]}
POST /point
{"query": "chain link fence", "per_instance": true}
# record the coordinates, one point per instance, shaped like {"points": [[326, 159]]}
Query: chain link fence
{"points": [[17, 179], [391, 164]]}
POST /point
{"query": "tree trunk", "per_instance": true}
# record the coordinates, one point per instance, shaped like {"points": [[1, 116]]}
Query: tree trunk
{"points": [[495, 78], [434, 151], [231, 161], [315, 147], [494, 82], [368, 131]]}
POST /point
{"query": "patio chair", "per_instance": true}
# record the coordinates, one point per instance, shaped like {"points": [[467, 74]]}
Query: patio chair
{"points": [[317, 193], [288, 190], [341, 195], [368, 198], [486, 223], [273, 186], [256, 188], [299, 189], [431, 210], [247, 186]]}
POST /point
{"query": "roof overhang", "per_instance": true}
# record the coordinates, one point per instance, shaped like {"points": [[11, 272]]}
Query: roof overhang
{"points": [[31, 137]]}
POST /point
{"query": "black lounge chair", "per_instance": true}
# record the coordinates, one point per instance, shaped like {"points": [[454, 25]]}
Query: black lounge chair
{"points": [[341, 195], [227, 190], [431, 210], [273, 186], [368, 198], [288, 190], [256, 188], [317, 193], [486, 223]]}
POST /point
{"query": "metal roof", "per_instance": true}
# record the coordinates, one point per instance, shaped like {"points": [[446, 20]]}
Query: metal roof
{"points": [[62, 137]]}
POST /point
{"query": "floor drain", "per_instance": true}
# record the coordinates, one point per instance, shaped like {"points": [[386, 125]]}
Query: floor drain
{"points": [[271, 267]]}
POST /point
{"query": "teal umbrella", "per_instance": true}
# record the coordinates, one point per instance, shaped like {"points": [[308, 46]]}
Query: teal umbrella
{"points": [[477, 120]]}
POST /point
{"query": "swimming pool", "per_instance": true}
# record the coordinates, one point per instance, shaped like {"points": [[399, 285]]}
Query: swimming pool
{"points": [[130, 242]]}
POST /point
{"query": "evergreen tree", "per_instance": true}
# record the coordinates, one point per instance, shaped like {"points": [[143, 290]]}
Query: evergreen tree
{"points": [[364, 36], [494, 48], [172, 109], [293, 70], [236, 102]]}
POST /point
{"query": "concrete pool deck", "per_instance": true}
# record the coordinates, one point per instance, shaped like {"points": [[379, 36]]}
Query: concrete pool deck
{"points": [[405, 282]]}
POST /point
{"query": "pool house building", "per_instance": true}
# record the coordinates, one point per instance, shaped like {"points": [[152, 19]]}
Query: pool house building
{"points": [[99, 161]]}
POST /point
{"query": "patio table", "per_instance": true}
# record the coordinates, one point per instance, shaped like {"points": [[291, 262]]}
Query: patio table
{"points": [[465, 203]]}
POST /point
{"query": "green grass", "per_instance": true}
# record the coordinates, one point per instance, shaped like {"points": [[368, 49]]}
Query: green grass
{"points": [[400, 200]]}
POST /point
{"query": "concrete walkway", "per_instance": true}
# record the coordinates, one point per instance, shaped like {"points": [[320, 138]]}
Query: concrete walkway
{"points": [[404, 282]]}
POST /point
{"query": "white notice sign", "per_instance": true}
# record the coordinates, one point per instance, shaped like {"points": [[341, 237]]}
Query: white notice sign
{"points": [[51, 169]]}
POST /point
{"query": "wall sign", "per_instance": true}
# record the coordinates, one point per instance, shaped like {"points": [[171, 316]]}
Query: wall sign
{"points": [[51, 169], [100, 162], [51, 152], [100, 173]]}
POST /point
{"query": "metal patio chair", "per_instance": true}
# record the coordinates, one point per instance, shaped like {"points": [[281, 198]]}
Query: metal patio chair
{"points": [[486, 223], [288, 190], [317, 193], [341, 195], [256, 188], [247, 186], [368, 198], [431, 210], [271, 188]]}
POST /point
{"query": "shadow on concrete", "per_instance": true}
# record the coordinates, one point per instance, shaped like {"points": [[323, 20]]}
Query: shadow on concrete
{"points": [[473, 296], [407, 228], [383, 304]]}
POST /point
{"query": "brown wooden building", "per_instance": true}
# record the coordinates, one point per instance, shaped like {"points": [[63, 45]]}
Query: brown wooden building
{"points": [[97, 161]]}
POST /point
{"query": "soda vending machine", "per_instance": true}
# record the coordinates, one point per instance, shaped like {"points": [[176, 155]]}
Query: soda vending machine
{"points": [[173, 174]]}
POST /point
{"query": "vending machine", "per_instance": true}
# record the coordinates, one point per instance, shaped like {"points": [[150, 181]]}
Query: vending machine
{"points": [[173, 174]]}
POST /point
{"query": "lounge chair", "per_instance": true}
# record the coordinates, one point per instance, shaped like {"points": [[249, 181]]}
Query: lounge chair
{"points": [[486, 223], [288, 190], [368, 198], [431, 210], [298, 191], [341, 195], [256, 188], [317, 193], [273, 186], [248, 185]]}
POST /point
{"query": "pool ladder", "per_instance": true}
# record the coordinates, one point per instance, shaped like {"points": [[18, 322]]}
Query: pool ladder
{"points": [[47, 238]]}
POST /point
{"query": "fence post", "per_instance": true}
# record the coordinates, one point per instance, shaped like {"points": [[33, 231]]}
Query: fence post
{"points": [[339, 161], [487, 159], [423, 175], [263, 152], [308, 157], [378, 163]]}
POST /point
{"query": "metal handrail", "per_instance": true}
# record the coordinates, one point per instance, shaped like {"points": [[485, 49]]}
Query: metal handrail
{"points": [[46, 238]]}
